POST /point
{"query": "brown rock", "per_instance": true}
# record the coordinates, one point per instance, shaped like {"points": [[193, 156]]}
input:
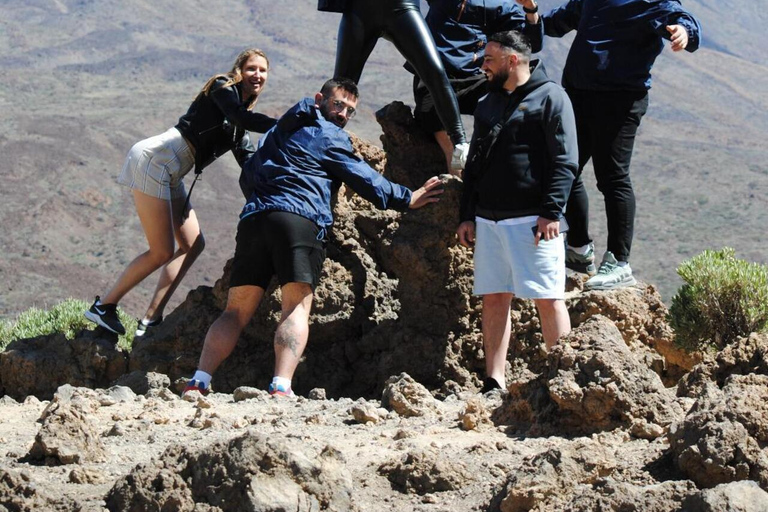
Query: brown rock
{"points": [[744, 356], [18, 494], [475, 416], [721, 439], [407, 397], [609, 494], [66, 436], [37, 366], [593, 383], [425, 472], [367, 413], [250, 472], [743, 496], [142, 382]]}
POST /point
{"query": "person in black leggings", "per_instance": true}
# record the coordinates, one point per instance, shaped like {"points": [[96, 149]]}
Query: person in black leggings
{"points": [[401, 23]]}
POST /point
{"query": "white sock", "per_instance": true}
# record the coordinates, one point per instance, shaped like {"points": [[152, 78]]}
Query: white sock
{"points": [[281, 381], [203, 378], [622, 263], [583, 250]]}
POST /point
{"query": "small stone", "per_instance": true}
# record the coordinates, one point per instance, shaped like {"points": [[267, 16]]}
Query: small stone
{"points": [[203, 403], [240, 423], [246, 392], [85, 476], [117, 430], [365, 413], [317, 394]]}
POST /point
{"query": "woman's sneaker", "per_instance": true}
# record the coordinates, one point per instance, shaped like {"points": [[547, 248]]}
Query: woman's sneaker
{"points": [[611, 275], [105, 315], [279, 390], [144, 325]]}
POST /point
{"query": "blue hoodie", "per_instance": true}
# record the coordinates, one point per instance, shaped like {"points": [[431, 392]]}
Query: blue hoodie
{"points": [[461, 28], [302, 162], [617, 41]]}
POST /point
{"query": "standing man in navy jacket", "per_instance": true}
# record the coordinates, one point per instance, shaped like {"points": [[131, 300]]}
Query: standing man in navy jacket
{"points": [[460, 29], [607, 76], [289, 182]]}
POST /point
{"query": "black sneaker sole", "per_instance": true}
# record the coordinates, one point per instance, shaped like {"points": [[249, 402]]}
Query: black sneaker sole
{"points": [[582, 268], [93, 317]]}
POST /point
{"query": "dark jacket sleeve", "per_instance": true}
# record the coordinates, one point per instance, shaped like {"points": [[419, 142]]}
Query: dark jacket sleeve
{"points": [[672, 13], [563, 152], [228, 101], [513, 18], [563, 19], [340, 161]]}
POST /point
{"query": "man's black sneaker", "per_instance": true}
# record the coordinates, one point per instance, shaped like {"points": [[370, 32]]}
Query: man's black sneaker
{"points": [[489, 384], [105, 315]]}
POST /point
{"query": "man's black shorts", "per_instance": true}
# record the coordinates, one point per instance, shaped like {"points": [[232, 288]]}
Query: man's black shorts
{"points": [[281, 243], [468, 93]]}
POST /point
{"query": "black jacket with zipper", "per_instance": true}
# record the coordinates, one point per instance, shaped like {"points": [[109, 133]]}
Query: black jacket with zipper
{"points": [[217, 122], [532, 165]]}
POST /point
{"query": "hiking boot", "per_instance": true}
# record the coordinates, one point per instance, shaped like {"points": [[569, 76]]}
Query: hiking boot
{"points": [[489, 384], [195, 385], [279, 390], [105, 315], [144, 326], [459, 157], [610, 275], [583, 263]]}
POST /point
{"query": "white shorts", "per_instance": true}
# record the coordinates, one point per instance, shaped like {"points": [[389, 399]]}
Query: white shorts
{"points": [[155, 166], [507, 261]]}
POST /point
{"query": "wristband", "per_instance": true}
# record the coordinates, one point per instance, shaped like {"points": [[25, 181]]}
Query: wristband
{"points": [[531, 11]]}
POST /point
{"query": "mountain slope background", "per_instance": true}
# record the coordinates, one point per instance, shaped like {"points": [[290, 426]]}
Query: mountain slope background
{"points": [[83, 80]]}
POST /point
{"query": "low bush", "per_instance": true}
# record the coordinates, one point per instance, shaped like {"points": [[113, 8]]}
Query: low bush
{"points": [[65, 317], [722, 299]]}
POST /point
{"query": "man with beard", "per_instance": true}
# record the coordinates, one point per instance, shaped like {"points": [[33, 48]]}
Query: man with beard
{"points": [[522, 162], [289, 182]]}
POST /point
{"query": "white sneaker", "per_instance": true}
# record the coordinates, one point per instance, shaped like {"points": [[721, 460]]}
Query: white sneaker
{"points": [[459, 157], [610, 275]]}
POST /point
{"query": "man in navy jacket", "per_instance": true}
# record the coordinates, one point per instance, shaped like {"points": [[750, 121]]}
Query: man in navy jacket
{"points": [[522, 161], [460, 29], [607, 76], [289, 182]]}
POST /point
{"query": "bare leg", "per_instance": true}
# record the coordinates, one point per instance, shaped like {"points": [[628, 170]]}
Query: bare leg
{"points": [[293, 330], [446, 145], [155, 217], [223, 334], [555, 321], [496, 331], [191, 244]]}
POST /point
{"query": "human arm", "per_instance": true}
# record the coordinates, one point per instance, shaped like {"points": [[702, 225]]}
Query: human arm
{"points": [[468, 201], [563, 156], [561, 20], [340, 161], [530, 25], [680, 27], [227, 100]]}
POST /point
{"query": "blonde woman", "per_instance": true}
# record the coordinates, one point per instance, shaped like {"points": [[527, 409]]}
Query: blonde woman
{"points": [[215, 123]]}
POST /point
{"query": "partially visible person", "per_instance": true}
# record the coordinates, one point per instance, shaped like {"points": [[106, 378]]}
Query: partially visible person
{"points": [[215, 123], [399, 21], [289, 182], [607, 76], [522, 162], [460, 29]]}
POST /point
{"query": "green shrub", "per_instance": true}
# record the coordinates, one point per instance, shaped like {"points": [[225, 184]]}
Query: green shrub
{"points": [[65, 317], [722, 298]]}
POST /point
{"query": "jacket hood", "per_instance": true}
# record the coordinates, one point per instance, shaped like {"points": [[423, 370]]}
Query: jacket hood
{"points": [[538, 78]]}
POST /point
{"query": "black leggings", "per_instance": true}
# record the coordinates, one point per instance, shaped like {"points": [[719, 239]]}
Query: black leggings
{"points": [[606, 125], [401, 23]]}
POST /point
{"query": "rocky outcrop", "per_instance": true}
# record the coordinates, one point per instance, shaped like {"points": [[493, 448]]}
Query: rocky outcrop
{"points": [[251, 472], [593, 382], [38, 366], [407, 397], [743, 357], [725, 434], [424, 472], [18, 494], [66, 435]]}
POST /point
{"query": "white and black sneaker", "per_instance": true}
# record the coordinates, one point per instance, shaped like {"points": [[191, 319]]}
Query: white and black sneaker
{"points": [[145, 325], [105, 315]]}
